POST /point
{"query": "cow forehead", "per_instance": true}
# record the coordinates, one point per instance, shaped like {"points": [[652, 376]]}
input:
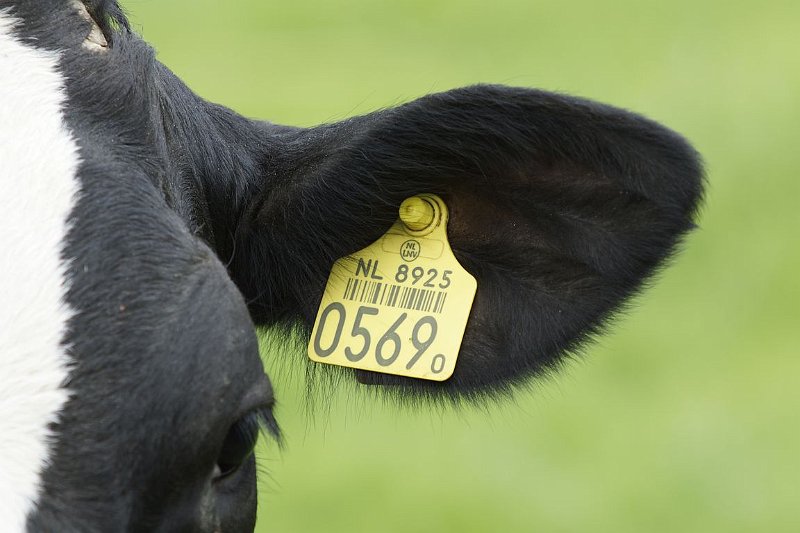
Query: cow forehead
{"points": [[163, 347], [144, 343], [162, 350]]}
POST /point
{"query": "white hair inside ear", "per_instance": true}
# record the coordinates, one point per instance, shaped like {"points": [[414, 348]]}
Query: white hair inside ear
{"points": [[95, 41]]}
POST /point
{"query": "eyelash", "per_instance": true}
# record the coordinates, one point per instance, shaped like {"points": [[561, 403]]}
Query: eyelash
{"points": [[260, 420], [241, 439], [266, 423]]}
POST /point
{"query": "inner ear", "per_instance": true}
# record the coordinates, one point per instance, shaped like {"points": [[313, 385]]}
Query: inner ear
{"points": [[95, 40], [475, 220]]}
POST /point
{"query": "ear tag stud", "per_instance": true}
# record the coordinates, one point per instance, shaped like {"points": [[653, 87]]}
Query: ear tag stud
{"points": [[400, 305]]}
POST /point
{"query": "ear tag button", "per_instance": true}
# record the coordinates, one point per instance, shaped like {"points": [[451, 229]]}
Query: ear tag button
{"points": [[400, 305]]}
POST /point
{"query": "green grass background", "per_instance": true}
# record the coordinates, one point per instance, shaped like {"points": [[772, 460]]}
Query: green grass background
{"points": [[687, 416]]}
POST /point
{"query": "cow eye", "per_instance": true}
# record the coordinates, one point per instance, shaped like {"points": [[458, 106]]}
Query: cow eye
{"points": [[238, 445]]}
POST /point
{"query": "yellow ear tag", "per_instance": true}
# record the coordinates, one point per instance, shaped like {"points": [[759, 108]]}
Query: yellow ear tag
{"points": [[400, 305]]}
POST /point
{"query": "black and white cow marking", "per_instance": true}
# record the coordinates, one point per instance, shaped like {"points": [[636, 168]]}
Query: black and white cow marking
{"points": [[146, 232]]}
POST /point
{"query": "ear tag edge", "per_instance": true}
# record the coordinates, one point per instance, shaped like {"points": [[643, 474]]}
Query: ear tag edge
{"points": [[401, 305]]}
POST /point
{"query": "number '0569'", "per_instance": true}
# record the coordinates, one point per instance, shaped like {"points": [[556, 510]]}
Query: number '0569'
{"points": [[385, 349]]}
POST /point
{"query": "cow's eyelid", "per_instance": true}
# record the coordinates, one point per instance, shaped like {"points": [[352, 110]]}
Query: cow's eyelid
{"points": [[241, 438]]}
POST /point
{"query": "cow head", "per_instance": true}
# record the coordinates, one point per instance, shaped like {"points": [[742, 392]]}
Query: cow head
{"points": [[180, 226]]}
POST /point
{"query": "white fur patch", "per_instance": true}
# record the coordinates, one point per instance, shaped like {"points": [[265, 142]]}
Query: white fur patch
{"points": [[38, 187]]}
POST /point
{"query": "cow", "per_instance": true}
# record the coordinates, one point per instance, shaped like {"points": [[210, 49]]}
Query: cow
{"points": [[147, 233]]}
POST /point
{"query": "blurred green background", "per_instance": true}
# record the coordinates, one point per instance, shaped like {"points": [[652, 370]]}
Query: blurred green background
{"points": [[686, 417]]}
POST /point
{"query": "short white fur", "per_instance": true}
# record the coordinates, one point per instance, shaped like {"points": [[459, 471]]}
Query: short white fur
{"points": [[38, 187]]}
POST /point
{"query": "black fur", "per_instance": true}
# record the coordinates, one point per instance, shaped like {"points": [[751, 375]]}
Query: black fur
{"points": [[560, 207]]}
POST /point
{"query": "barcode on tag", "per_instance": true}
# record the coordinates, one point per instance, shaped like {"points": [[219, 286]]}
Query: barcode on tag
{"points": [[379, 293]]}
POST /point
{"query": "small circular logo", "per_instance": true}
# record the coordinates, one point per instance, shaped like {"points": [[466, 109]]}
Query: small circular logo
{"points": [[410, 250]]}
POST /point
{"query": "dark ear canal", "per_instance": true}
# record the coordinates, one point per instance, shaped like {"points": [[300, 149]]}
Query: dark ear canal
{"points": [[560, 207]]}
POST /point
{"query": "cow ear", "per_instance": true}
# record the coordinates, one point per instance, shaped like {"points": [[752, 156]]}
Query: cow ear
{"points": [[559, 207]]}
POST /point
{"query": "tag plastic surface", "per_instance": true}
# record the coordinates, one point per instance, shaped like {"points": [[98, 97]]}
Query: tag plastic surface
{"points": [[400, 305]]}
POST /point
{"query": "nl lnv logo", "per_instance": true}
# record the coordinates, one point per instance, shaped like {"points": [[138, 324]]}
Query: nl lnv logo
{"points": [[410, 250]]}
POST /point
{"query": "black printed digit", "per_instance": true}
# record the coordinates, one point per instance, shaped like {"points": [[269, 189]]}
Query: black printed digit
{"points": [[359, 331], [402, 274], [323, 320], [417, 274], [419, 344], [394, 338], [437, 364]]}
